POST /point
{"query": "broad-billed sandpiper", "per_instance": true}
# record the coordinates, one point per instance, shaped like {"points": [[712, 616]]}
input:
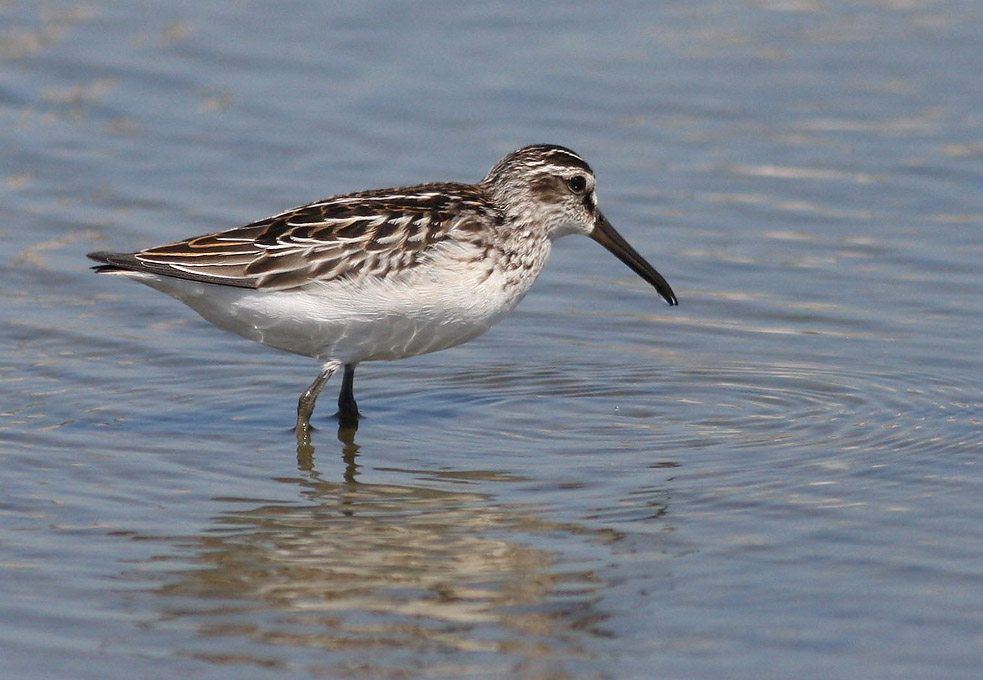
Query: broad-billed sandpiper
{"points": [[386, 274]]}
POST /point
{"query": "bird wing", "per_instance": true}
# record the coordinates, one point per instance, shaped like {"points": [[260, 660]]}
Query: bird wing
{"points": [[360, 235]]}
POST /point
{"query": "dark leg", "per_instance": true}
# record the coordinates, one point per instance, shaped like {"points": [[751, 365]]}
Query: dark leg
{"points": [[305, 407], [347, 408]]}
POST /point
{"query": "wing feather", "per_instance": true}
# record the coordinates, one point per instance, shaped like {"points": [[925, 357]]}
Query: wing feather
{"points": [[366, 234]]}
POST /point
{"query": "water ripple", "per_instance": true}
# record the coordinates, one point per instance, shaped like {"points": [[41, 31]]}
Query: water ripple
{"points": [[795, 405]]}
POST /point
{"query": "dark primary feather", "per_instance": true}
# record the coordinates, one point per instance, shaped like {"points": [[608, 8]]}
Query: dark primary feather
{"points": [[364, 234]]}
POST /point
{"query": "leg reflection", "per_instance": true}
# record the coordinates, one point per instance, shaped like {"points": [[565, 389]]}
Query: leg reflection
{"points": [[349, 452]]}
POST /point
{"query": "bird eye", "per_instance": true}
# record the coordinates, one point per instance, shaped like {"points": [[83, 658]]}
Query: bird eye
{"points": [[577, 184]]}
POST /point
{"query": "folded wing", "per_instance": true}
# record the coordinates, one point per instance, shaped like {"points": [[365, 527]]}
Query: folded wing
{"points": [[367, 234]]}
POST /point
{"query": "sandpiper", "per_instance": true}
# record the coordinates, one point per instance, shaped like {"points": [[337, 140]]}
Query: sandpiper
{"points": [[389, 273]]}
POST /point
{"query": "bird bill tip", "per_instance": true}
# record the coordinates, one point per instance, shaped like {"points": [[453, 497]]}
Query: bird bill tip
{"points": [[605, 234]]}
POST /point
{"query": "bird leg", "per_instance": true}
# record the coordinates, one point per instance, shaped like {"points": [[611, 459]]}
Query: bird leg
{"points": [[347, 408], [305, 407]]}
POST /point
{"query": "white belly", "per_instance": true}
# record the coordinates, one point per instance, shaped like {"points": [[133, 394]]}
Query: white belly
{"points": [[422, 310]]}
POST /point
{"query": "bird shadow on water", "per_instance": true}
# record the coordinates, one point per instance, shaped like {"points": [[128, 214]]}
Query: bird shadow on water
{"points": [[432, 576]]}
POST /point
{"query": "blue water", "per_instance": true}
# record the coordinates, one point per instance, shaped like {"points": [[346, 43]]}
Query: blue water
{"points": [[778, 478]]}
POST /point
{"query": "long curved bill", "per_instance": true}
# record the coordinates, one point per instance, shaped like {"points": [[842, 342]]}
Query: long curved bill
{"points": [[606, 235]]}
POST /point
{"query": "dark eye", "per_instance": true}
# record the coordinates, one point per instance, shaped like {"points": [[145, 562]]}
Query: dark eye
{"points": [[577, 184]]}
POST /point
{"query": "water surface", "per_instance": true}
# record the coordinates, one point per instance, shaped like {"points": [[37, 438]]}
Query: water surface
{"points": [[779, 478]]}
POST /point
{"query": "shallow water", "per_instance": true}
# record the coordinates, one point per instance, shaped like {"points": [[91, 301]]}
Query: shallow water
{"points": [[779, 478]]}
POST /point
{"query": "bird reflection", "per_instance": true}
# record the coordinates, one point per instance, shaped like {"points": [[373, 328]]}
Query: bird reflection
{"points": [[373, 579], [349, 450]]}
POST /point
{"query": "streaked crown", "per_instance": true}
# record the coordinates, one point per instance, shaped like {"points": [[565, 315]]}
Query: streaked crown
{"points": [[547, 184]]}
